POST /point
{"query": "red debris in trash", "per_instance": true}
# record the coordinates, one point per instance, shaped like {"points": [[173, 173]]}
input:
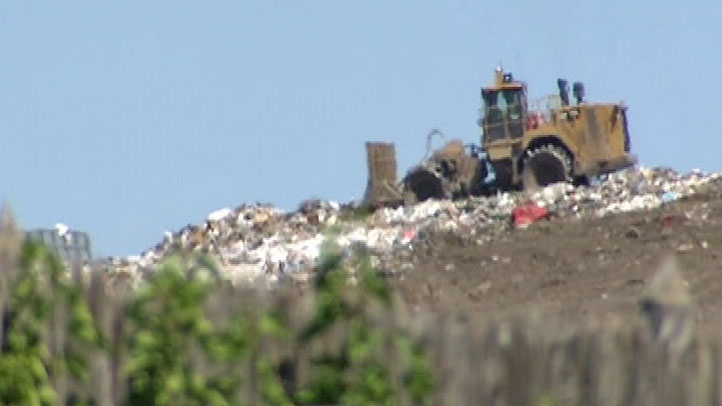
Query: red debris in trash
{"points": [[668, 220], [409, 235], [528, 213]]}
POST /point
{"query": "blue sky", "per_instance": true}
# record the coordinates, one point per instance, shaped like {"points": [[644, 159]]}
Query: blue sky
{"points": [[125, 119]]}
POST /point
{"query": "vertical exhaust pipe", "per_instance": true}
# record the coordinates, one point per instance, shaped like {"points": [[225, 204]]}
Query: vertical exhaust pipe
{"points": [[563, 91]]}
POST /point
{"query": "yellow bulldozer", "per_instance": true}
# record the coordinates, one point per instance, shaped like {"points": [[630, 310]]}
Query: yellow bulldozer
{"points": [[524, 145]]}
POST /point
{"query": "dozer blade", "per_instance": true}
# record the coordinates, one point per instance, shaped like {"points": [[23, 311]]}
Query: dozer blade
{"points": [[382, 188]]}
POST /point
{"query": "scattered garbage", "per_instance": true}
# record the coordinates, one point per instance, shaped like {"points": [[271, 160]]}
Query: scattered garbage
{"points": [[632, 232], [255, 243], [669, 197], [528, 213]]}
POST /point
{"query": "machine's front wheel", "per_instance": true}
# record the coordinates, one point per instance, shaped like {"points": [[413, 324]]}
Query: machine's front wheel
{"points": [[421, 184], [546, 165]]}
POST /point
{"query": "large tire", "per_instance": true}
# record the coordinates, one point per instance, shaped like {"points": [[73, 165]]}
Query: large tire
{"points": [[546, 165]]}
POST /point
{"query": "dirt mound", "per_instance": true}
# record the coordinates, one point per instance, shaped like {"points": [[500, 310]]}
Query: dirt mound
{"points": [[574, 268]]}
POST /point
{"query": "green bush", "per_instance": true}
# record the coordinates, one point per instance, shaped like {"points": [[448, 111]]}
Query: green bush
{"points": [[177, 349], [178, 355], [46, 327], [359, 372]]}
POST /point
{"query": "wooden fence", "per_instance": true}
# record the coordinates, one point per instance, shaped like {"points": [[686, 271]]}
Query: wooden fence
{"points": [[523, 361]]}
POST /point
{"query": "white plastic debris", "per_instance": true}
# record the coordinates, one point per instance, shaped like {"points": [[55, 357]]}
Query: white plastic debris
{"points": [[62, 229], [220, 214]]}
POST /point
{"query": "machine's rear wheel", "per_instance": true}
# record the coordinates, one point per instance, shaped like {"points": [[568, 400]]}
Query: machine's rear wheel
{"points": [[546, 165]]}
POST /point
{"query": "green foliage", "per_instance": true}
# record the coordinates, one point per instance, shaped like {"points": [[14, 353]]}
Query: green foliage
{"points": [[418, 380], [178, 355], [27, 364], [170, 328], [360, 371], [360, 213], [179, 351], [548, 400]]}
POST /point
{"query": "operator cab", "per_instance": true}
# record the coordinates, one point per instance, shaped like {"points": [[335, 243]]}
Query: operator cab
{"points": [[504, 108]]}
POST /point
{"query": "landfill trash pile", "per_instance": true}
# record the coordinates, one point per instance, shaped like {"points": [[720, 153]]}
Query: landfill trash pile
{"points": [[261, 243]]}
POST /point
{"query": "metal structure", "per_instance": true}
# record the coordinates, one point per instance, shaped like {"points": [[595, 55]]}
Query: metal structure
{"points": [[72, 246]]}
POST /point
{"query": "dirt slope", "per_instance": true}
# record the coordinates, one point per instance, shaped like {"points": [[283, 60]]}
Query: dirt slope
{"points": [[575, 269]]}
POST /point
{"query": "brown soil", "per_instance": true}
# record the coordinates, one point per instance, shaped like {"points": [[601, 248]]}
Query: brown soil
{"points": [[576, 269]]}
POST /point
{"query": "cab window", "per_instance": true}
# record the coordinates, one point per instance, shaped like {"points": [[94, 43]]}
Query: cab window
{"points": [[494, 107], [513, 103]]}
